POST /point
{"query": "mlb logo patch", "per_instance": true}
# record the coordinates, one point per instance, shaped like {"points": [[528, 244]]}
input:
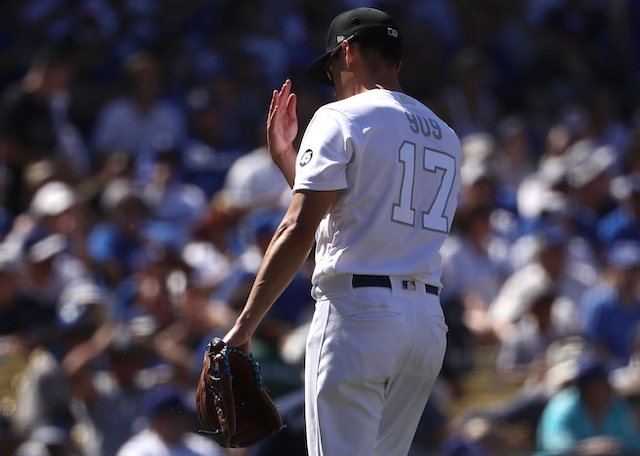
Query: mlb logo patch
{"points": [[408, 284]]}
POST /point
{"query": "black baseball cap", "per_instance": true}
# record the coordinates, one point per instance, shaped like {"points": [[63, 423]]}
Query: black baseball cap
{"points": [[361, 24]]}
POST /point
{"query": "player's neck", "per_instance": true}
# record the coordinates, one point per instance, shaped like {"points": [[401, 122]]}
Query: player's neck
{"points": [[385, 80], [361, 86], [393, 88], [353, 75]]}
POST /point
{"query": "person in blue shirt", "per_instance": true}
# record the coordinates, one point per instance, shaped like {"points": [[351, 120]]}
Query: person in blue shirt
{"points": [[611, 310], [624, 221], [588, 418]]}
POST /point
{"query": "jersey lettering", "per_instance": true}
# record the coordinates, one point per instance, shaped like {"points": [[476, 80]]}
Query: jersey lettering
{"points": [[404, 212], [433, 218], [423, 125]]}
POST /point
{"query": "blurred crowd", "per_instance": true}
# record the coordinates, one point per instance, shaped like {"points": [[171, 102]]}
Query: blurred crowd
{"points": [[138, 198]]}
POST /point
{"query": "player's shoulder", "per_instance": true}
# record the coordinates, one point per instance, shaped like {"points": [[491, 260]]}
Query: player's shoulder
{"points": [[376, 106], [372, 103], [343, 107], [335, 113], [412, 106]]}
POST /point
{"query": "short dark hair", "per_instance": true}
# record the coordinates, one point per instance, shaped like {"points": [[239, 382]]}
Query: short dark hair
{"points": [[380, 52]]}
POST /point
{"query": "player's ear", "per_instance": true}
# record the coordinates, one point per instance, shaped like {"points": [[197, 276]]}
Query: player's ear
{"points": [[346, 47], [348, 50]]}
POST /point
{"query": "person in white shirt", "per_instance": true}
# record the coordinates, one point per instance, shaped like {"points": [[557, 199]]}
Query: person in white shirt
{"points": [[137, 122], [547, 268], [169, 432], [375, 186]]}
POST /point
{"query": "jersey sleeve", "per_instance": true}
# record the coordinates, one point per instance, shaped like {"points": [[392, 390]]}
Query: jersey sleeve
{"points": [[326, 148]]}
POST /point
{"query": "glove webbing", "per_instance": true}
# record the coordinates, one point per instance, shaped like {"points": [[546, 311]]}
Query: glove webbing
{"points": [[254, 363]]}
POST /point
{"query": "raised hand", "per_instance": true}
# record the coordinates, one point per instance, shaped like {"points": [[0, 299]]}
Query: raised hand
{"points": [[282, 129]]}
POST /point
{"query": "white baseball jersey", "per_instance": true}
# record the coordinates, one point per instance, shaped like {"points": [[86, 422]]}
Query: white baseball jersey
{"points": [[398, 164]]}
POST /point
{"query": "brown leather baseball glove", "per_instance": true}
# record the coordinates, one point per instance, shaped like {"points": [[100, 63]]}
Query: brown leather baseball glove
{"points": [[233, 405]]}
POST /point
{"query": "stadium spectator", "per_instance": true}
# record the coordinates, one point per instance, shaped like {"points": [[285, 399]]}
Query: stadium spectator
{"points": [[170, 431], [623, 222], [474, 273], [171, 200], [24, 319], [44, 395], [34, 124], [124, 239], [588, 418], [548, 268], [135, 122], [469, 105], [51, 439], [557, 210], [211, 146], [611, 310], [528, 344], [108, 397]]}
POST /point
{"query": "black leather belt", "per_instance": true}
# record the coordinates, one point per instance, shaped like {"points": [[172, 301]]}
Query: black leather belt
{"points": [[384, 281]]}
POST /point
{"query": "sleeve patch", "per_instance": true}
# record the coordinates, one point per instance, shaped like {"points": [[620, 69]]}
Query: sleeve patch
{"points": [[306, 157]]}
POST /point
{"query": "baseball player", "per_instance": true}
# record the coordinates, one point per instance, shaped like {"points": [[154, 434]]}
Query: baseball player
{"points": [[375, 185]]}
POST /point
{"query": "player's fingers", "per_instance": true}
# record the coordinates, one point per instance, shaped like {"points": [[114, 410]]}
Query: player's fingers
{"points": [[278, 97], [292, 102], [281, 105], [272, 105], [286, 88], [285, 91]]}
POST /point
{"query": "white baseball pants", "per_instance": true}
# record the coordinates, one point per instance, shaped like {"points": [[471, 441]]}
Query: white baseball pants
{"points": [[373, 355]]}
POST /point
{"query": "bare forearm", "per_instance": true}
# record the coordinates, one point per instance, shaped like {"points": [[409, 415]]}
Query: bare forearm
{"points": [[284, 257], [288, 250], [287, 163]]}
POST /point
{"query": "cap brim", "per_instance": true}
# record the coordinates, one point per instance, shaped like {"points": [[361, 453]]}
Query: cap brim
{"points": [[317, 71]]}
